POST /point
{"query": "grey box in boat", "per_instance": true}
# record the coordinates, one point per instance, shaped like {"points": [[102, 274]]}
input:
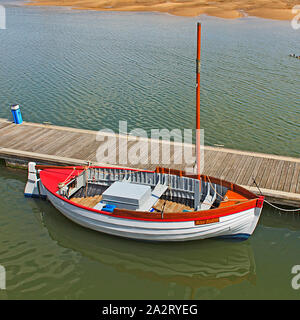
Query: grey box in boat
{"points": [[127, 195]]}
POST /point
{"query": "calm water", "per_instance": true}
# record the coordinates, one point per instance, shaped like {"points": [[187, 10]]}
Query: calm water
{"points": [[48, 257], [92, 69]]}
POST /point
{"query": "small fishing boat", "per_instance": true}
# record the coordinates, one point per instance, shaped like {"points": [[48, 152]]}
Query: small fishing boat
{"points": [[161, 205]]}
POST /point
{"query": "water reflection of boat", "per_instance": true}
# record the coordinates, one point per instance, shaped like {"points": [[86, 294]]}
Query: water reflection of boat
{"points": [[215, 263]]}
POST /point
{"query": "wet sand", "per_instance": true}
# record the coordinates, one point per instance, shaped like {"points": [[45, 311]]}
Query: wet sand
{"points": [[278, 9]]}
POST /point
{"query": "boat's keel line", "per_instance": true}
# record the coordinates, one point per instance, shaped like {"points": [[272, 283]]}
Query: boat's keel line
{"points": [[237, 236]]}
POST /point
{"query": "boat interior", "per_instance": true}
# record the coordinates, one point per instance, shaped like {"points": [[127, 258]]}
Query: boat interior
{"points": [[162, 191]]}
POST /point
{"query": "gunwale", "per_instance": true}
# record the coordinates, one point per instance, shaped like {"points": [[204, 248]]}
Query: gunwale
{"points": [[49, 172]]}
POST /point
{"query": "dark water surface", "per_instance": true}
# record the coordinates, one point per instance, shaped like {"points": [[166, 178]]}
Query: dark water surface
{"points": [[90, 70]]}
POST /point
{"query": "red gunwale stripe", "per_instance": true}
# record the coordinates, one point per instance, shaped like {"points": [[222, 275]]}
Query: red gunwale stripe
{"points": [[155, 220], [252, 204]]}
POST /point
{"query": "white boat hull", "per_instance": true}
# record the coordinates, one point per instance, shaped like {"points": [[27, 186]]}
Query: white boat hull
{"points": [[239, 225]]}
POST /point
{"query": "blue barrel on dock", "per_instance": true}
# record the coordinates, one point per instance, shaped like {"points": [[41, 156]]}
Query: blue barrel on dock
{"points": [[16, 112]]}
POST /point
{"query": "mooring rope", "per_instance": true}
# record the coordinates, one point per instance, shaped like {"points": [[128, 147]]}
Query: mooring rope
{"points": [[282, 209], [272, 205]]}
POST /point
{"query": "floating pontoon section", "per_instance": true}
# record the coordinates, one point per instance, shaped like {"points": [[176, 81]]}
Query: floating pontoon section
{"points": [[34, 188]]}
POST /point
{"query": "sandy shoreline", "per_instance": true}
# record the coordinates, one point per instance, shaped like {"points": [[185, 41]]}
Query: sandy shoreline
{"points": [[278, 9]]}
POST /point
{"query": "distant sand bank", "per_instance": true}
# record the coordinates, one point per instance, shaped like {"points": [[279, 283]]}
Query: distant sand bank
{"points": [[277, 9]]}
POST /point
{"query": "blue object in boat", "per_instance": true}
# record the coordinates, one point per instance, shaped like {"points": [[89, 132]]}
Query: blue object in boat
{"points": [[109, 208], [16, 112]]}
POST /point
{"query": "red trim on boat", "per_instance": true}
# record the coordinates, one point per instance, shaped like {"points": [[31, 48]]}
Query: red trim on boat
{"points": [[260, 201], [51, 177]]}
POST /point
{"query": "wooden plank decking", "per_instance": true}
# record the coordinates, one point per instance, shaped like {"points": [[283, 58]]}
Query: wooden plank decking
{"points": [[277, 176]]}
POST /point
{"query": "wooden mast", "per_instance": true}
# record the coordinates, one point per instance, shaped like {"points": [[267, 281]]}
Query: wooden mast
{"points": [[198, 101]]}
